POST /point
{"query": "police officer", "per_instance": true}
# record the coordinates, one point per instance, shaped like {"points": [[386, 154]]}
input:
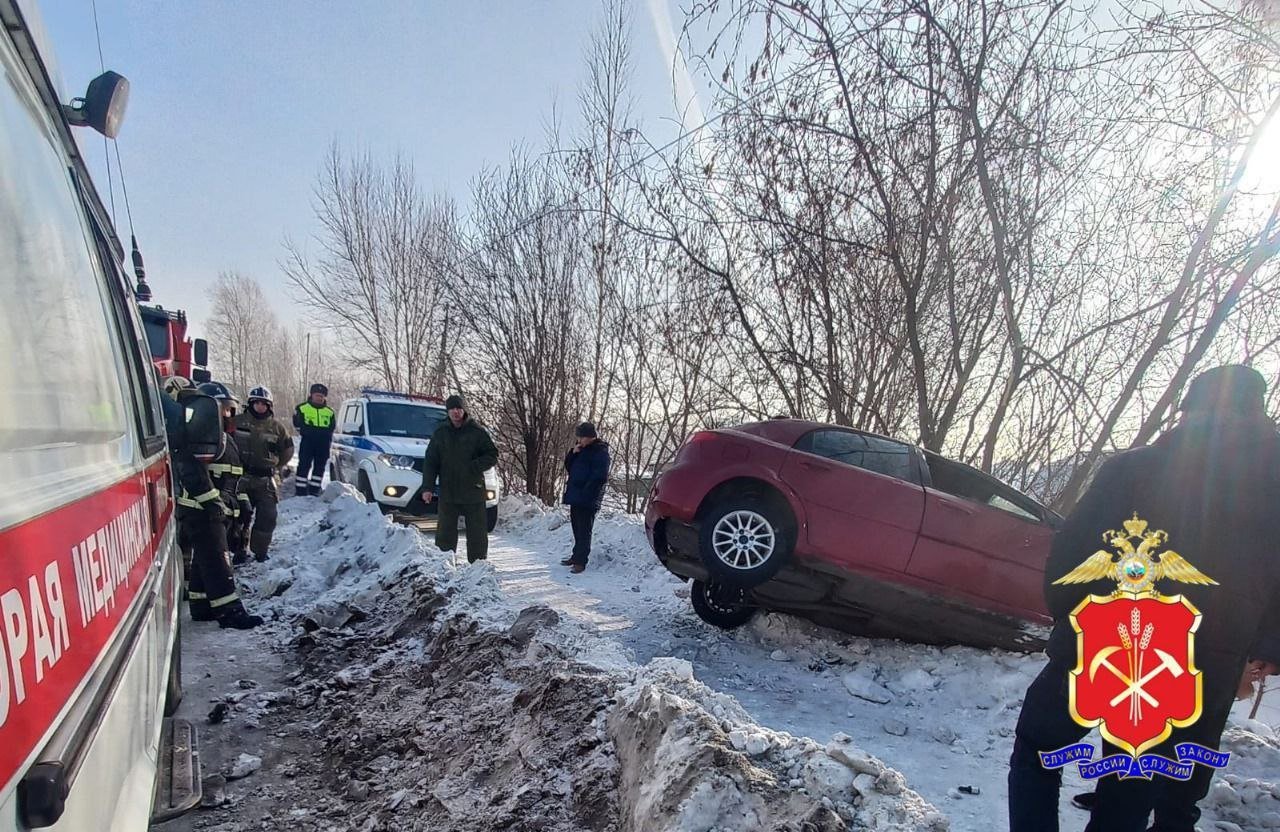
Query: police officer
{"points": [[1213, 484], [314, 420], [265, 448], [211, 591]]}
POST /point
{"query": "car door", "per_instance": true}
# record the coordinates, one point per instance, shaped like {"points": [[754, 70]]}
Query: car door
{"points": [[861, 495], [982, 539], [351, 426]]}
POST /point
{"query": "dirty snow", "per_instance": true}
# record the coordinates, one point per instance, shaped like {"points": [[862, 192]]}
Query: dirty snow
{"points": [[398, 688]]}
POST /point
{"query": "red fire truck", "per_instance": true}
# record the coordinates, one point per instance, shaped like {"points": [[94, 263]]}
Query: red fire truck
{"points": [[173, 353]]}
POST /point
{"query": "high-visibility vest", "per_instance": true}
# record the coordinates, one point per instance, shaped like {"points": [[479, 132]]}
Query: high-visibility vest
{"points": [[316, 417]]}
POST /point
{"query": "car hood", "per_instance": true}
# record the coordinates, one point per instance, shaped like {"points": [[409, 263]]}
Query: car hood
{"points": [[401, 445]]}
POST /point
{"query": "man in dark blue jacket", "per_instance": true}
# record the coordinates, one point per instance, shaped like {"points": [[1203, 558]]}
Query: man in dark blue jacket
{"points": [[588, 467]]}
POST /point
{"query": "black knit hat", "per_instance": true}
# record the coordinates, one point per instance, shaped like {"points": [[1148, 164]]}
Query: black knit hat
{"points": [[455, 402], [1231, 388], [320, 388], [586, 430]]}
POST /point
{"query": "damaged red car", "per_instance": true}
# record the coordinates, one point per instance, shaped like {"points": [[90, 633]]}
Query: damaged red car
{"points": [[852, 530]]}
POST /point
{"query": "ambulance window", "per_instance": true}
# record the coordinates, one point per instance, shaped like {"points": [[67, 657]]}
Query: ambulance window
{"points": [[134, 347], [62, 408]]}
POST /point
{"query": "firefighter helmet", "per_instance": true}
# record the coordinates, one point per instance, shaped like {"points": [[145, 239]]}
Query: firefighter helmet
{"points": [[260, 394], [219, 391], [173, 385]]}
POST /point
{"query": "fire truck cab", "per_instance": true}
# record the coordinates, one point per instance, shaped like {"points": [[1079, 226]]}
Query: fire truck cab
{"points": [[173, 353], [90, 572]]}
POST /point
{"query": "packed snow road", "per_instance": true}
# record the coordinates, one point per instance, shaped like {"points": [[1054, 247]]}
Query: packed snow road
{"points": [[392, 691]]}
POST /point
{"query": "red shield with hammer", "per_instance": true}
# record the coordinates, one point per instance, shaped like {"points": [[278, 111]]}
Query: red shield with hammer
{"points": [[1136, 677]]}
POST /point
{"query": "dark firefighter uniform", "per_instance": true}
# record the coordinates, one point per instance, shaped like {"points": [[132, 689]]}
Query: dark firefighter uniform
{"points": [[265, 447], [314, 421], [211, 589]]}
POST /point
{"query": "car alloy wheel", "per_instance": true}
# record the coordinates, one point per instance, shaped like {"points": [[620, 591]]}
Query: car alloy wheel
{"points": [[743, 539]]}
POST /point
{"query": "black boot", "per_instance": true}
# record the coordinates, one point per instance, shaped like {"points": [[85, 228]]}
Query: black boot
{"points": [[234, 616], [567, 562], [239, 558], [260, 558], [200, 609]]}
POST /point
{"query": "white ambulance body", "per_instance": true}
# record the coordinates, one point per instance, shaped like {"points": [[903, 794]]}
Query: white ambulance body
{"points": [[89, 569]]}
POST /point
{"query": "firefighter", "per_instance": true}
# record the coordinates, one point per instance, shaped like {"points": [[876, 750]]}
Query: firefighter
{"points": [[314, 420], [265, 449], [211, 590], [226, 470]]}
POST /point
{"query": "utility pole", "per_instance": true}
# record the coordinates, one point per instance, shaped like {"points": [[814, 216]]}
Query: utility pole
{"points": [[306, 368]]}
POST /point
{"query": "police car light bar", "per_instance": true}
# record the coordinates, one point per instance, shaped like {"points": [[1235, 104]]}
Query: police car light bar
{"points": [[372, 391]]}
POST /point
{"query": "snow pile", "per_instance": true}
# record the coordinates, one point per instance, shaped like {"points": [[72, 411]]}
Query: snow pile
{"points": [[697, 760], [442, 704]]}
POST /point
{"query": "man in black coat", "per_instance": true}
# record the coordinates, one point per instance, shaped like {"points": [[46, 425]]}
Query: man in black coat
{"points": [[1213, 484], [453, 469], [587, 464]]}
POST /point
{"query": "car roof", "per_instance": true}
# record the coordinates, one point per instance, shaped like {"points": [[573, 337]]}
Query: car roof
{"points": [[393, 397], [789, 431]]}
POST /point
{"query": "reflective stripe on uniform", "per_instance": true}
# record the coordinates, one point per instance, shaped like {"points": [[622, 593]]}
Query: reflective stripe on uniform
{"points": [[244, 497], [197, 596], [221, 468], [211, 494], [237, 471], [224, 600]]}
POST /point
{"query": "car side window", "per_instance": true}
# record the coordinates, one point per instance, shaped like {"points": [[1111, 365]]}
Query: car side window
{"points": [[871, 453], [353, 420]]}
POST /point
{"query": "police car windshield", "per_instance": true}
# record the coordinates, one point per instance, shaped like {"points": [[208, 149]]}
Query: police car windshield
{"points": [[386, 419]]}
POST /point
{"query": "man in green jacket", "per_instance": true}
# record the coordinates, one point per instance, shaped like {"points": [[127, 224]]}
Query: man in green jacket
{"points": [[458, 455]]}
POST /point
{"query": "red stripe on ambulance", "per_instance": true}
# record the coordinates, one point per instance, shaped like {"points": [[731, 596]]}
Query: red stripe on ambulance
{"points": [[67, 579]]}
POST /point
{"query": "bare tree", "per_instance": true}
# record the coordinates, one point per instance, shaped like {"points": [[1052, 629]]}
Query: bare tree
{"points": [[386, 252]]}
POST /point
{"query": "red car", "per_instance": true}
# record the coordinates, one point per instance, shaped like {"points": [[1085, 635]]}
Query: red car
{"points": [[852, 530]]}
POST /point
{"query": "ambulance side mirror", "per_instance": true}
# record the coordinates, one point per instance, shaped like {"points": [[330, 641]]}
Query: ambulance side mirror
{"points": [[102, 106]]}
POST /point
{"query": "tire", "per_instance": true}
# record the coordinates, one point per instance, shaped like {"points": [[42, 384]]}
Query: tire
{"points": [[367, 490], [744, 540], [173, 689], [722, 606], [491, 518]]}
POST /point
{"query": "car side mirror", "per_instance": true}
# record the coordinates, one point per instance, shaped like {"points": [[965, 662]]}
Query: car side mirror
{"points": [[102, 106], [200, 351]]}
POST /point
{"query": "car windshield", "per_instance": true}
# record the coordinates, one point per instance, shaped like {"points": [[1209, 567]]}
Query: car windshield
{"points": [[157, 336], [386, 419]]}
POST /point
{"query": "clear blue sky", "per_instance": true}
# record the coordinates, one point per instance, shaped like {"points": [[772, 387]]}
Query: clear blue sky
{"points": [[234, 104]]}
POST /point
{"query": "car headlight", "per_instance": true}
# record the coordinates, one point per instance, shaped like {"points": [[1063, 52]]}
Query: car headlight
{"points": [[396, 461]]}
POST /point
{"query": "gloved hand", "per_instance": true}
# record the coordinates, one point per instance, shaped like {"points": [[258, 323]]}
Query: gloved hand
{"points": [[217, 513]]}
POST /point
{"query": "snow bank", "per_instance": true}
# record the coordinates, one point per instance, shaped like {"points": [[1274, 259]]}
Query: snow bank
{"points": [[367, 601]]}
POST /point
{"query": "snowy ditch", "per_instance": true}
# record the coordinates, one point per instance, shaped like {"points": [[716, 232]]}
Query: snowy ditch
{"points": [[429, 694]]}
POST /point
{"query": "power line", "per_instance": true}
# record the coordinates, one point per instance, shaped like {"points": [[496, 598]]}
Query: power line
{"points": [[106, 148]]}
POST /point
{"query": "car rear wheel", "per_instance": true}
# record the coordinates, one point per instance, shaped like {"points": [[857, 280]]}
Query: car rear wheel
{"points": [[744, 541], [725, 607]]}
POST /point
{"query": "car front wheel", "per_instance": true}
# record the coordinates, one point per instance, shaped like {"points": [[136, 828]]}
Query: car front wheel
{"points": [[744, 541], [725, 607]]}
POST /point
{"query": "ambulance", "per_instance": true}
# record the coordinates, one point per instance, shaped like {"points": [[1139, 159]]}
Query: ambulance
{"points": [[89, 567]]}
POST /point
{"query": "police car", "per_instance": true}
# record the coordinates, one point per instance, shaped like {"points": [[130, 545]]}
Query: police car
{"points": [[379, 444]]}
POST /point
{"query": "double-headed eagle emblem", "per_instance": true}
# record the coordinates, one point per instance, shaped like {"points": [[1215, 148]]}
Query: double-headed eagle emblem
{"points": [[1135, 569]]}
